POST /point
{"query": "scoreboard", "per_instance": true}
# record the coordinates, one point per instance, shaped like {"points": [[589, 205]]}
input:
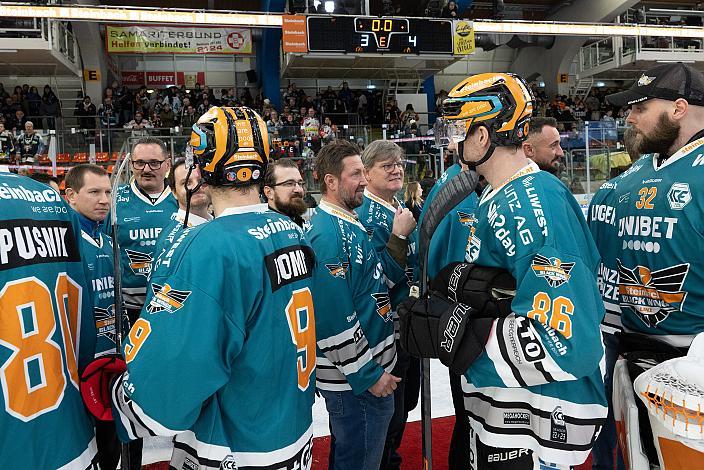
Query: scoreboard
{"points": [[379, 35]]}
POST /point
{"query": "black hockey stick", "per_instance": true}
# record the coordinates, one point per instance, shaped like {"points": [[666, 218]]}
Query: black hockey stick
{"points": [[117, 284], [451, 194]]}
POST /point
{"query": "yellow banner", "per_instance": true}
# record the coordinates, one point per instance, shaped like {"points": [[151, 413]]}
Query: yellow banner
{"points": [[176, 40], [463, 37]]}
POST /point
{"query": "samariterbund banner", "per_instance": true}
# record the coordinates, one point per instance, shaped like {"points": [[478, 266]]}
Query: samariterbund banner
{"points": [[176, 40]]}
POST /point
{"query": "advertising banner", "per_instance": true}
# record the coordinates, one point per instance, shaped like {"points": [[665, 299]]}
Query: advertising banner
{"points": [[294, 38], [463, 37], [177, 40]]}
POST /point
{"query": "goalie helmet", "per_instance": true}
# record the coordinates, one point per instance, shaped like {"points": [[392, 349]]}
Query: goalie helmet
{"points": [[502, 102], [231, 146]]}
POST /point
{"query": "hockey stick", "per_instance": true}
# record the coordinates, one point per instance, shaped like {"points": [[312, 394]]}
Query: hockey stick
{"points": [[117, 284], [454, 192]]}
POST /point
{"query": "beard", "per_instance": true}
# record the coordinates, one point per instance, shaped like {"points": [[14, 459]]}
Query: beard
{"points": [[294, 207], [351, 200], [550, 167], [660, 140]]}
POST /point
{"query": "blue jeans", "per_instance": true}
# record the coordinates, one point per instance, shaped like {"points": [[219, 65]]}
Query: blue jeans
{"points": [[358, 425], [606, 454]]}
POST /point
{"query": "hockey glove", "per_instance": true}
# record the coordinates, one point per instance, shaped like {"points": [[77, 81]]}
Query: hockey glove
{"points": [[437, 328], [487, 290], [96, 381]]}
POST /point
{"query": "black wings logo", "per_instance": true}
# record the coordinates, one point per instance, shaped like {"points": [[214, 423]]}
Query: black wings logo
{"points": [[554, 271], [383, 305], [167, 299], [141, 263]]}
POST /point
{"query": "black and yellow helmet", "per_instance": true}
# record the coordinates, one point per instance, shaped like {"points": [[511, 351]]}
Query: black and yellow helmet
{"points": [[502, 102], [231, 146]]}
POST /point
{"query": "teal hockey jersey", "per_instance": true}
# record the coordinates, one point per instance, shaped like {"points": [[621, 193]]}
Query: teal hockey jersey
{"points": [[223, 354], [171, 232], [99, 260], [353, 309], [139, 222], [449, 242], [377, 217], [538, 385], [649, 226], [47, 335]]}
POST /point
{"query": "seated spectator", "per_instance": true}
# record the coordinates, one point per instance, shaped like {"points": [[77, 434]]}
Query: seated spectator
{"points": [[188, 118], [139, 126], [450, 10], [7, 145], [86, 113], [327, 131], [29, 145], [167, 116], [108, 114], [274, 124], [17, 122], [413, 199], [291, 129], [33, 101], [409, 115]]}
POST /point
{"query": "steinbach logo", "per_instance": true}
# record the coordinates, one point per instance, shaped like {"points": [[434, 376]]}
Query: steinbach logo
{"points": [[141, 263], [339, 269], [653, 295], [553, 270], [167, 299], [383, 305]]}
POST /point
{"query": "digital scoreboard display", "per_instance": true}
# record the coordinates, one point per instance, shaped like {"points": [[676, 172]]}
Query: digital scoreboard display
{"points": [[374, 35]]}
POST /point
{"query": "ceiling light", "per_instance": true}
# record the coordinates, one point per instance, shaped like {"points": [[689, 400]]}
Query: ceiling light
{"points": [[329, 6]]}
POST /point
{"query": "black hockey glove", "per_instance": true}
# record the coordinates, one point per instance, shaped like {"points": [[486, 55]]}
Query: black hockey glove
{"points": [[437, 328], [487, 290]]}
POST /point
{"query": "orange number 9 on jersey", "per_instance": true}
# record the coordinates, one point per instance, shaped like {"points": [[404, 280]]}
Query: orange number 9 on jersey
{"points": [[301, 321]]}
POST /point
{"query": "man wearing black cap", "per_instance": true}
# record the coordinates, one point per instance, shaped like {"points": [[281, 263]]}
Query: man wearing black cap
{"points": [[647, 224]]}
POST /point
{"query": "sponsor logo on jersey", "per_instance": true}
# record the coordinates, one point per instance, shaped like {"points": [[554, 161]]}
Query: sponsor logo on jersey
{"points": [[679, 196], [338, 270], [517, 417], [273, 226], [288, 265], [140, 263], [105, 322], [166, 299], [29, 195], [189, 464], [459, 313], [530, 345], [383, 305], [653, 295], [409, 276], [131, 219], [370, 231], [508, 455], [558, 429], [228, 463], [474, 245], [553, 270], [26, 242]]}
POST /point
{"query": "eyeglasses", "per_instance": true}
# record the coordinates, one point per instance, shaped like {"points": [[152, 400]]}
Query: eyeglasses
{"points": [[153, 164], [290, 184], [389, 167]]}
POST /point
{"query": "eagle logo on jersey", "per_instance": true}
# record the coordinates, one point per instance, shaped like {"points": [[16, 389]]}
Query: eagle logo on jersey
{"points": [[466, 219], [141, 263], [553, 270], [653, 295], [383, 305], [105, 322], [167, 299], [339, 269]]}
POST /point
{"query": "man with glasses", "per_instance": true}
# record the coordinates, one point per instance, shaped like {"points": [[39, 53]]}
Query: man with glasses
{"points": [[144, 208], [284, 189], [391, 229]]}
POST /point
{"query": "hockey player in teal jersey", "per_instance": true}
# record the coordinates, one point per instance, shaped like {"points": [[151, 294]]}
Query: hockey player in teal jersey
{"points": [[178, 179], [356, 346], [391, 228], [532, 381], [222, 356], [144, 208], [88, 193], [47, 333], [647, 222]]}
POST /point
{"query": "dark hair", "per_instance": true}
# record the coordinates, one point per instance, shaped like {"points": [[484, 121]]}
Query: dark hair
{"points": [[171, 179], [537, 123], [269, 178], [151, 141], [329, 161], [44, 178], [76, 175]]}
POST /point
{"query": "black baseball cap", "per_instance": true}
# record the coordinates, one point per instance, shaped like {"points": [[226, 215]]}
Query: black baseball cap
{"points": [[666, 82]]}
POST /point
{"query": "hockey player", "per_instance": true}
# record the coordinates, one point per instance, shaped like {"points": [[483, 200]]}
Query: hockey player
{"points": [[391, 228], [532, 380], [646, 221], [450, 244], [356, 348], [284, 189], [144, 208], [47, 333], [88, 193], [197, 210], [223, 353], [543, 144]]}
